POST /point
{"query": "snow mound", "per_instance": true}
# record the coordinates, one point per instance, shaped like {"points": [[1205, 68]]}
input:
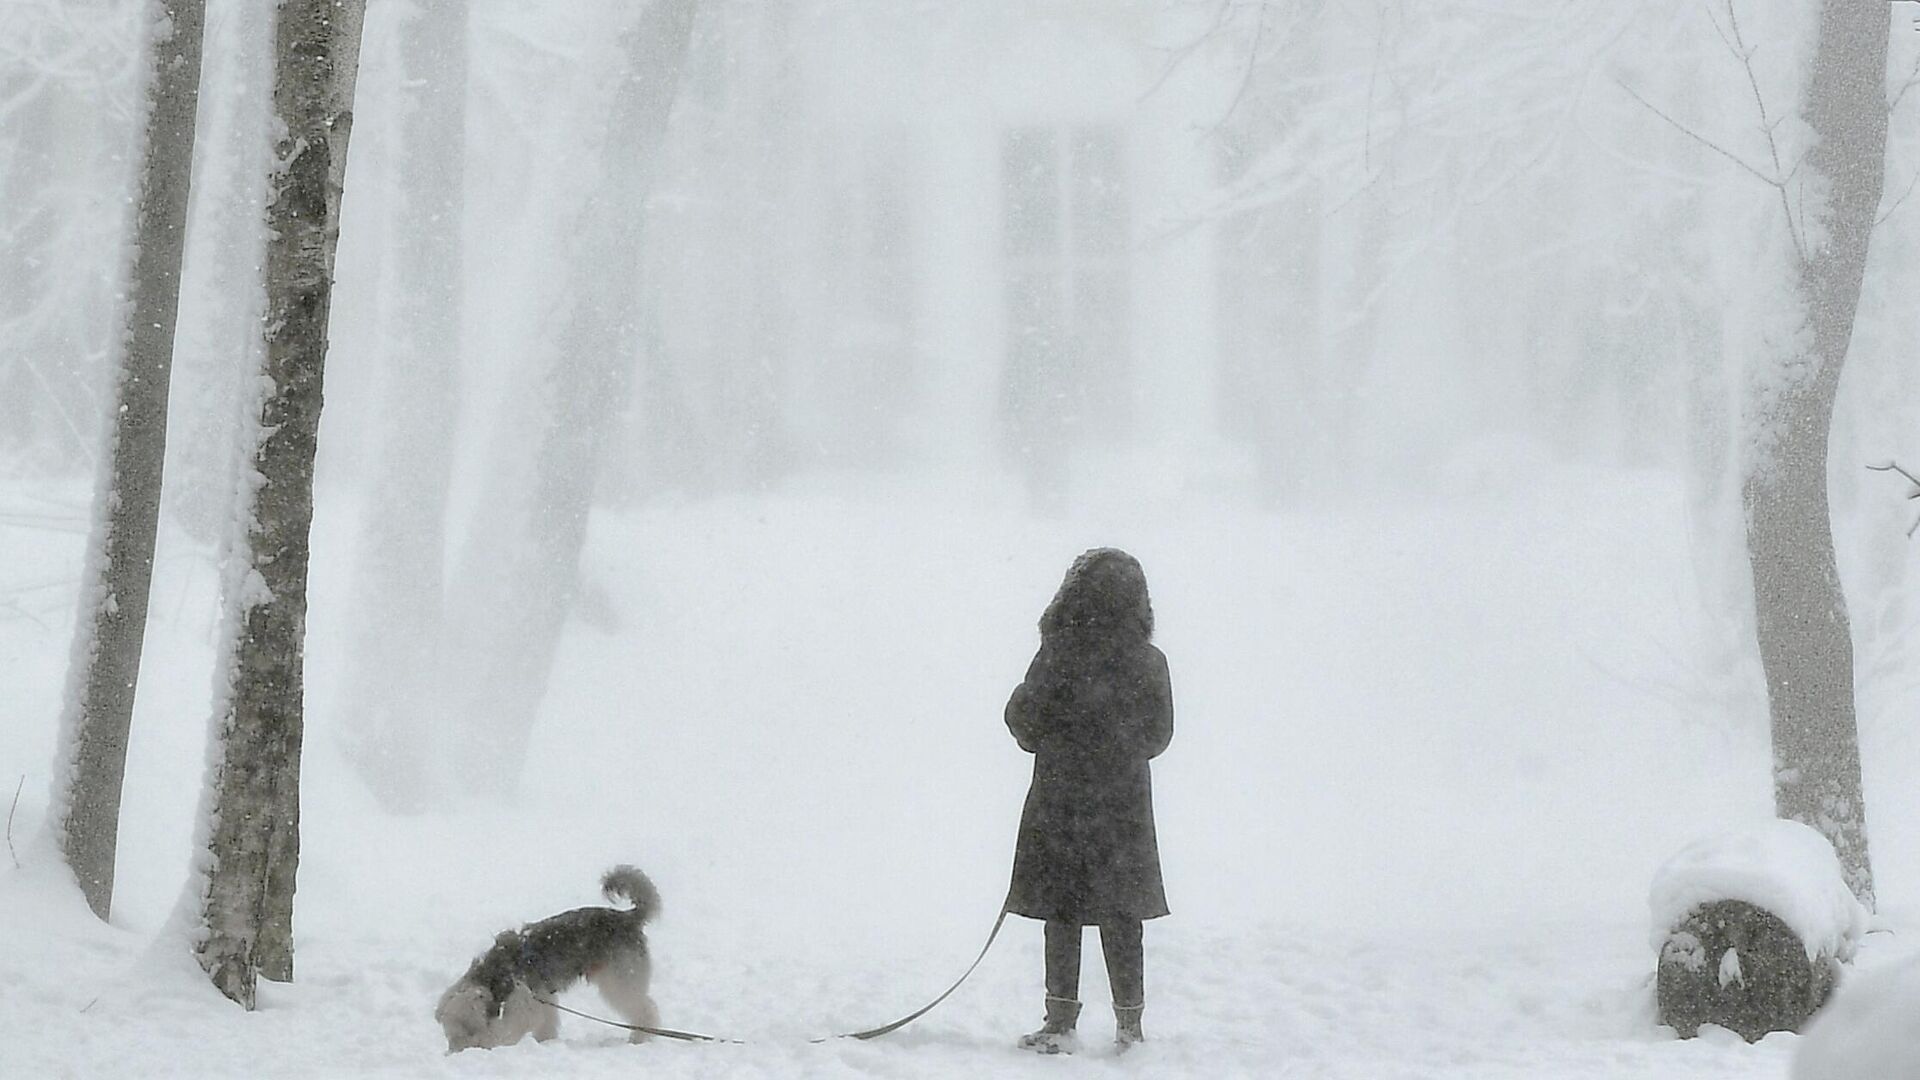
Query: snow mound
{"points": [[1867, 1030], [1783, 866]]}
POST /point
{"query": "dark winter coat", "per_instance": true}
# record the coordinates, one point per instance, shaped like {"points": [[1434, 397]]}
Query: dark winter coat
{"points": [[1095, 707]]}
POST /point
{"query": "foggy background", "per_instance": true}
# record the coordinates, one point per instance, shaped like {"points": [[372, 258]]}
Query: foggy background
{"points": [[1090, 262], [693, 505]]}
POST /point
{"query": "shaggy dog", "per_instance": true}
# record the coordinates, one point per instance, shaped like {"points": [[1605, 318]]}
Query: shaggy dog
{"points": [[503, 997]]}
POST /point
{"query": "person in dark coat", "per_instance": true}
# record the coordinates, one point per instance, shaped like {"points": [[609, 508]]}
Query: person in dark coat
{"points": [[1095, 707]]}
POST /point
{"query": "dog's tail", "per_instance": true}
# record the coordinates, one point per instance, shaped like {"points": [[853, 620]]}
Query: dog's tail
{"points": [[629, 884]]}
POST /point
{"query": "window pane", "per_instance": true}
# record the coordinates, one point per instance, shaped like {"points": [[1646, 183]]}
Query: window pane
{"points": [[1034, 311], [1099, 190], [1030, 175], [1100, 321]]}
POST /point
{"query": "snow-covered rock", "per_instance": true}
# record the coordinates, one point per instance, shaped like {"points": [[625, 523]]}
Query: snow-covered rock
{"points": [[1784, 867], [1870, 1031]]}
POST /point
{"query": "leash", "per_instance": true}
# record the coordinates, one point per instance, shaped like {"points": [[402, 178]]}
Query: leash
{"points": [[870, 1033], [665, 1033], [874, 1033]]}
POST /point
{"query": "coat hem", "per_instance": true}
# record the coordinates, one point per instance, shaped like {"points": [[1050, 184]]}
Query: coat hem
{"points": [[1085, 918]]}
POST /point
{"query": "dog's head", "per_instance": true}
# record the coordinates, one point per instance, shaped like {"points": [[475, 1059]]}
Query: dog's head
{"points": [[466, 1013]]}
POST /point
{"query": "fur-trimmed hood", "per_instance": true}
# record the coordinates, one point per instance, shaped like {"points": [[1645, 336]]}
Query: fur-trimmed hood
{"points": [[1103, 599]]}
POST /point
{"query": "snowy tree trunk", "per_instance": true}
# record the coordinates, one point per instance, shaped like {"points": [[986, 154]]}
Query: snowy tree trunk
{"points": [[1806, 646], [519, 574], [110, 629], [254, 815], [397, 589]]}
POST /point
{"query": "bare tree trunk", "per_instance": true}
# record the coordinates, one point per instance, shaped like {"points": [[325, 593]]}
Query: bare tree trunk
{"points": [[111, 627], [1806, 643], [255, 812], [397, 588], [519, 574]]}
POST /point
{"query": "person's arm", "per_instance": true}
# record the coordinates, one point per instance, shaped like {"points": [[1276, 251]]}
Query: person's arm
{"points": [[1156, 706], [1023, 710]]}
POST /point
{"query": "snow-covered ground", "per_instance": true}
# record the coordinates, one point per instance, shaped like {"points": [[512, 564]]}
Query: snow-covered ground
{"points": [[1868, 1029], [1428, 757]]}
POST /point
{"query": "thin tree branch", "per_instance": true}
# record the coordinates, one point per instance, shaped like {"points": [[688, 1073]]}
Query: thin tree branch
{"points": [[16, 805], [1894, 466], [14, 606], [1770, 181], [1745, 56], [1912, 80], [1753, 80], [1253, 62], [1721, 31], [1881, 220], [1373, 86], [1177, 56]]}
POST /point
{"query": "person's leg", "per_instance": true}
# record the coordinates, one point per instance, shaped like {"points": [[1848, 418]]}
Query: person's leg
{"points": [[1127, 975], [1063, 962], [1063, 990]]}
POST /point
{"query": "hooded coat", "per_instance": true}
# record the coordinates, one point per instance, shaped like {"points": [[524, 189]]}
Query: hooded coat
{"points": [[1096, 706]]}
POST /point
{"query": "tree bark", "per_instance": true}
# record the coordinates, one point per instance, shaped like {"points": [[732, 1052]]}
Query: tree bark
{"points": [[111, 627], [519, 573], [255, 814], [1805, 639], [398, 587], [1739, 966]]}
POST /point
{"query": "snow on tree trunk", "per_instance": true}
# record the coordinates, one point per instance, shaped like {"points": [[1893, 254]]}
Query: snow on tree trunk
{"points": [[111, 627], [1801, 614], [520, 565], [253, 816], [220, 335], [397, 589]]}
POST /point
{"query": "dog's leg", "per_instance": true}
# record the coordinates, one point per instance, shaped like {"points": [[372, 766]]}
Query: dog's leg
{"points": [[645, 1013], [624, 985], [519, 1017], [634, 1005], [546, 1023]]}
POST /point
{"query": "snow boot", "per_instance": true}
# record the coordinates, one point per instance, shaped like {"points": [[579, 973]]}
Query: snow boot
{"points": [[1056, 1035], [1126, 1026]]}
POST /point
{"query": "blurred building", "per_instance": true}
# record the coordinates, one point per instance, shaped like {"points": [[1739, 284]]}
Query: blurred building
{"points": [[954, 243]]}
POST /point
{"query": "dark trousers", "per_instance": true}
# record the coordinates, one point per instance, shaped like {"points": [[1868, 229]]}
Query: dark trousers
{"points": [[1126, 961]]}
